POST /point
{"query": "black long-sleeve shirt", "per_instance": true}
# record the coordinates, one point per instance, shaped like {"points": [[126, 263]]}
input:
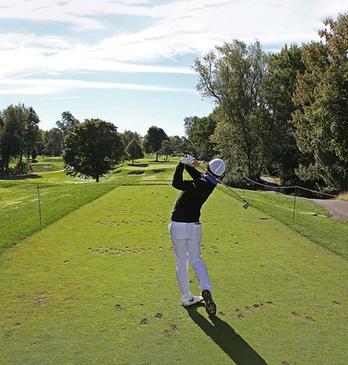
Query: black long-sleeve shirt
{"points": [[194, 193]]}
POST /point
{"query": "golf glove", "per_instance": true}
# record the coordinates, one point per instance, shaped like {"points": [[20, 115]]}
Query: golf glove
{"points": [[188, 160]]}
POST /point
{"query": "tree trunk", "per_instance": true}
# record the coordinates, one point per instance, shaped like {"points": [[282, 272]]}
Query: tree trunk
{"points": [[7, 166], [97, 178], [156, 157], [2, 159]]}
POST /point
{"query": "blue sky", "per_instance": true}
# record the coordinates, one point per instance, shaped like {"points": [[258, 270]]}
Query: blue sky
{"points": [[129, 61]]}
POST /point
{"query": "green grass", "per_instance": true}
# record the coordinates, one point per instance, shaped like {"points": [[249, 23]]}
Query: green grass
{"points": [[311, 220], [77, 291], [47, 164], [19, 209], [61, 194]]}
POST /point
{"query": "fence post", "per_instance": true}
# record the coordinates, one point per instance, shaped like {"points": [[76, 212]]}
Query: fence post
{"points": [[294, 208], [39, 201]]}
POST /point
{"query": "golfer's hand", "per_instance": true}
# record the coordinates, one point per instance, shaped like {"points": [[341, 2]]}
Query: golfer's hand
{"points": [[189, 160]]}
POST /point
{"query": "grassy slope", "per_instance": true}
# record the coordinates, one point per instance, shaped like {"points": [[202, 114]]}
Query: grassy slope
{"points": [[19, 214], [311, 220], [60, 195], [59, 289]]}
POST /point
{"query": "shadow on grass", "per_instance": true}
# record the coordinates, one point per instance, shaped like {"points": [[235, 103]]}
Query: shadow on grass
{"points": [[21, 177], [138, 164], [227, 339]]}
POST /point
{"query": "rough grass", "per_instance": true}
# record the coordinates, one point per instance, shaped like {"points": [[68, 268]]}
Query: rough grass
{"points": [[19, 209], [98, 286], [310, 219], [61, 194]]}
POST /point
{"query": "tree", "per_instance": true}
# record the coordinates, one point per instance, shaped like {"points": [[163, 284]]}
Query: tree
{"points": [[92, 149], [232, 75], [279, 86], [40, 142], [31, 133], [153, 140], [176, 144], [186, 147], [68, 123], [128, 136], [134, 150], [12, 136], [166, 149], [54, 143], [321, 101], [199, 132]]}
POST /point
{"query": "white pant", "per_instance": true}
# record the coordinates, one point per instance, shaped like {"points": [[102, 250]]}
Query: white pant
{"points": [[186, 238]]}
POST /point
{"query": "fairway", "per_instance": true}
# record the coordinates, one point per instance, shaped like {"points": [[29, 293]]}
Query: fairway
{"points": [[99, 286]]}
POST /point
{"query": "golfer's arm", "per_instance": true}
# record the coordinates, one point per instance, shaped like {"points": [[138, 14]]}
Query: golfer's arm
{"points": [[193, 172], [178, 182]]}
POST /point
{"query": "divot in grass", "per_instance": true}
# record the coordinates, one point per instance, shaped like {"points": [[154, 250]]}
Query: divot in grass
{"points": [[72, 298], [307, 317], [158, 316], [252, 309], [144, 322], [172, 330], [41, 301]]}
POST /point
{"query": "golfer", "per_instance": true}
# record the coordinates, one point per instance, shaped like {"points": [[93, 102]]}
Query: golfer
{"points": [[185, 228]]}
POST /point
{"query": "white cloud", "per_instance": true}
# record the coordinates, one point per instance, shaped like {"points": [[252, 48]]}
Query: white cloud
{"points": [[54, 86], [177, 28]]}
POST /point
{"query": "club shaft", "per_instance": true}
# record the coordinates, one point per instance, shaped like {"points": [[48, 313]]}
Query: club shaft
{"points": [[226, 186]]}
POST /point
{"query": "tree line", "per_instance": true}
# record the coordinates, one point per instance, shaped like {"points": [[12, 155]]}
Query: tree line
{"points": [[90, 148], [284, 113]]}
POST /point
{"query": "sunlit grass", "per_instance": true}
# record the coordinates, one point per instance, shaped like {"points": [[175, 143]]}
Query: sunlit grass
{"points": [[99, 286]]}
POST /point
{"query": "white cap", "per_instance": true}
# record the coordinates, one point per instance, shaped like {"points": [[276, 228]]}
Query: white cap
{"points": [[217, 166]]}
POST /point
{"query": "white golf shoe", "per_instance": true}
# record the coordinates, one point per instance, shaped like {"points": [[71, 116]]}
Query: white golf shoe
{"points": [[192, 301]]}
